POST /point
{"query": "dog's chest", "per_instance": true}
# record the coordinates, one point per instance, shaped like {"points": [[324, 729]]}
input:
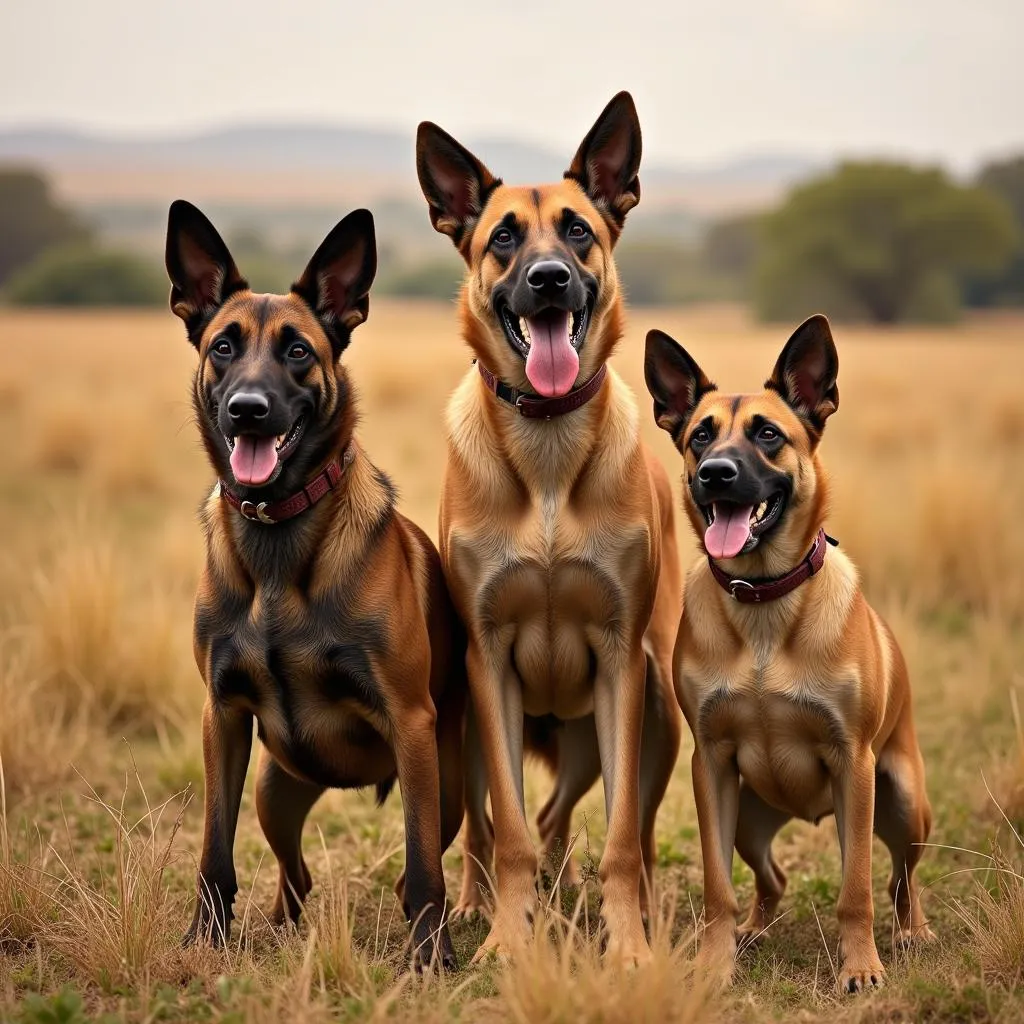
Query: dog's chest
{"points": [[309, 677], [786, 727], [554, 594]]}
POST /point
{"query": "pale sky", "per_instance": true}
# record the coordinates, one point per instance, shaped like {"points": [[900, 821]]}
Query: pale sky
{"points": [[929, 79]]}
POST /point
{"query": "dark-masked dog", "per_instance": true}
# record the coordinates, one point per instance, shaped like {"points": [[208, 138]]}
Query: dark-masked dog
{"points": [[556, 526], [794, 688], [322, 612]]}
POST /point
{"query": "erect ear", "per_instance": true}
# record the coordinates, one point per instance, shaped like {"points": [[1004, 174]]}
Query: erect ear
{"points": [[675, 381], [336, 281], [201, 269], [806, 372], [455, 183], [608, 160]]}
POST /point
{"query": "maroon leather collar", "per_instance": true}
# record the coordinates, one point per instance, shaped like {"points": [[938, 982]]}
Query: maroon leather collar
{"points": [[533, 407], [762, 591], [326, 480]]}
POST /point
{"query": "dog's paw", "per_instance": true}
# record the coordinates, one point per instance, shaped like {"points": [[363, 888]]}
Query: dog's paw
{"points": [[494, 949], [627, 953], [920, 936], [716, 959], [204, 930], [435, 954], [469, 908], [754, 929], [509, 934], [859, 977]]}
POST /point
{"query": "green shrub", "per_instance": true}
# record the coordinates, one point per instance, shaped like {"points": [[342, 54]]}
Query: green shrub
{"points": [[31, 220], [85, 276], [430, 279], [879, 241]]}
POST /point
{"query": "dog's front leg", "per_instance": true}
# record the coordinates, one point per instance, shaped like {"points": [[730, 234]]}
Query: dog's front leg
{"points": [[415, 743], [618, 714], [227, 743], [716, 789], [853, 791], [498, 706]]}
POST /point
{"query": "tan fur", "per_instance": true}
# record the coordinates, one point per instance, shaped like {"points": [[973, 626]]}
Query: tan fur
{"points": [[799, 708], [558, 543], [331, 631]]}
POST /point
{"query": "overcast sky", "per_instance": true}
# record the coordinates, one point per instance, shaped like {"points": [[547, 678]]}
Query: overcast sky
{"points": [[931, 79]]}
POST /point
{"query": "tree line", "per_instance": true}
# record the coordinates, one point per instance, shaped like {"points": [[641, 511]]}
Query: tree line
{"points": [[872, 240]]}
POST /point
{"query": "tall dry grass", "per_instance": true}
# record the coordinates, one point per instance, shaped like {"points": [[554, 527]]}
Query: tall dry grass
{"points": [[99, 558]]}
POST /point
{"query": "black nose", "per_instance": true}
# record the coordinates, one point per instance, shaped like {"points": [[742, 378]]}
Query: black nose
{"points": [[548, 278], [248, 405], [718, 473]]}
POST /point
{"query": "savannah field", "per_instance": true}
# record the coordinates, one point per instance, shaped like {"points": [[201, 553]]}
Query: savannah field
{"points": [[100, 477]]}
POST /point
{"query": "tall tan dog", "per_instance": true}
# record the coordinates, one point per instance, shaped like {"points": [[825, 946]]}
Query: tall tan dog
{"points": [[794, 688], [322, 614], [556, 529]]}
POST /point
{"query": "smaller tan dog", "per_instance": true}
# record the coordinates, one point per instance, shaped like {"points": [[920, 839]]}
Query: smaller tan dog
{"points": [[794, 688]]}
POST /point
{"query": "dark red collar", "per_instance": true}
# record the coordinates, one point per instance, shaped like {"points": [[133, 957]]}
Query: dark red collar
{"points": [[533, 407], [326, 480], [761, 591]]}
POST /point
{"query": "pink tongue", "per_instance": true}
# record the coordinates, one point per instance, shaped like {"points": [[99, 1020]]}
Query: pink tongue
{"points": [[725, 537], [552, 364], [253, 459]]}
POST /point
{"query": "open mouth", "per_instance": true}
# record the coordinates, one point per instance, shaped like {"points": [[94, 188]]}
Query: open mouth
{"points": [[520, 334], [734, 529], [550, 342], [256, 460]]}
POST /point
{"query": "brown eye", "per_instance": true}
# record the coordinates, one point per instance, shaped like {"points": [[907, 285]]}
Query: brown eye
{"points": [[502, 238], [768, 434], [298, 351], [221, 347], [578, 231], [700, 437]]}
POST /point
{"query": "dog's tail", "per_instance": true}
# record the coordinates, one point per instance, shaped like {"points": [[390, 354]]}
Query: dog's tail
{"points": [[384, 788]]}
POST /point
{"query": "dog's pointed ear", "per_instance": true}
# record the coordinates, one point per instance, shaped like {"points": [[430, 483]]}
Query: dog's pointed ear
{"points": [[201, 269], [336, 282], [806, 373], [608, 161], [455, 183], [675, 381]]}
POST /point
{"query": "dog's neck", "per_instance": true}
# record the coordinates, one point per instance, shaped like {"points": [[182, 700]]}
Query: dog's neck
{"points": [[546, 457], [762, 590], [342, 522], [767, 626]]}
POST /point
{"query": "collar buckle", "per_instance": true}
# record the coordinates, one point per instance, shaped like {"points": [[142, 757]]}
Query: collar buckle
{"points": [[735, 585], [256, 513]]}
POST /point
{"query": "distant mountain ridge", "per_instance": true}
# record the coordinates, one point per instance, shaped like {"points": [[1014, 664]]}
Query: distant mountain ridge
{"points": [[381, 154]]}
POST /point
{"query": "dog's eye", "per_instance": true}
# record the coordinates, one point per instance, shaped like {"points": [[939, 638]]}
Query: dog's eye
{"points": [[768, 434], [221, 348], [700, 437], [502, 238], [298, 351], [578, 231]]}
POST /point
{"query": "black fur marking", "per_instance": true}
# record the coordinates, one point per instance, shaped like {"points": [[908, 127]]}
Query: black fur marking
{"points": [[350, 674], [227, 682], [838, 738]]}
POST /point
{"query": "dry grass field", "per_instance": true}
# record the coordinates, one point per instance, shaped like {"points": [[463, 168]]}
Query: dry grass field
{"points": [[100, 477]]}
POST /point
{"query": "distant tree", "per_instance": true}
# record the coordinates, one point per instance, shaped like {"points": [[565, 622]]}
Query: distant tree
{"points": [[661, 273], [435, 278], [83, 276], [1005, 179], [31, 221], [879, 241], [730, 247]]}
